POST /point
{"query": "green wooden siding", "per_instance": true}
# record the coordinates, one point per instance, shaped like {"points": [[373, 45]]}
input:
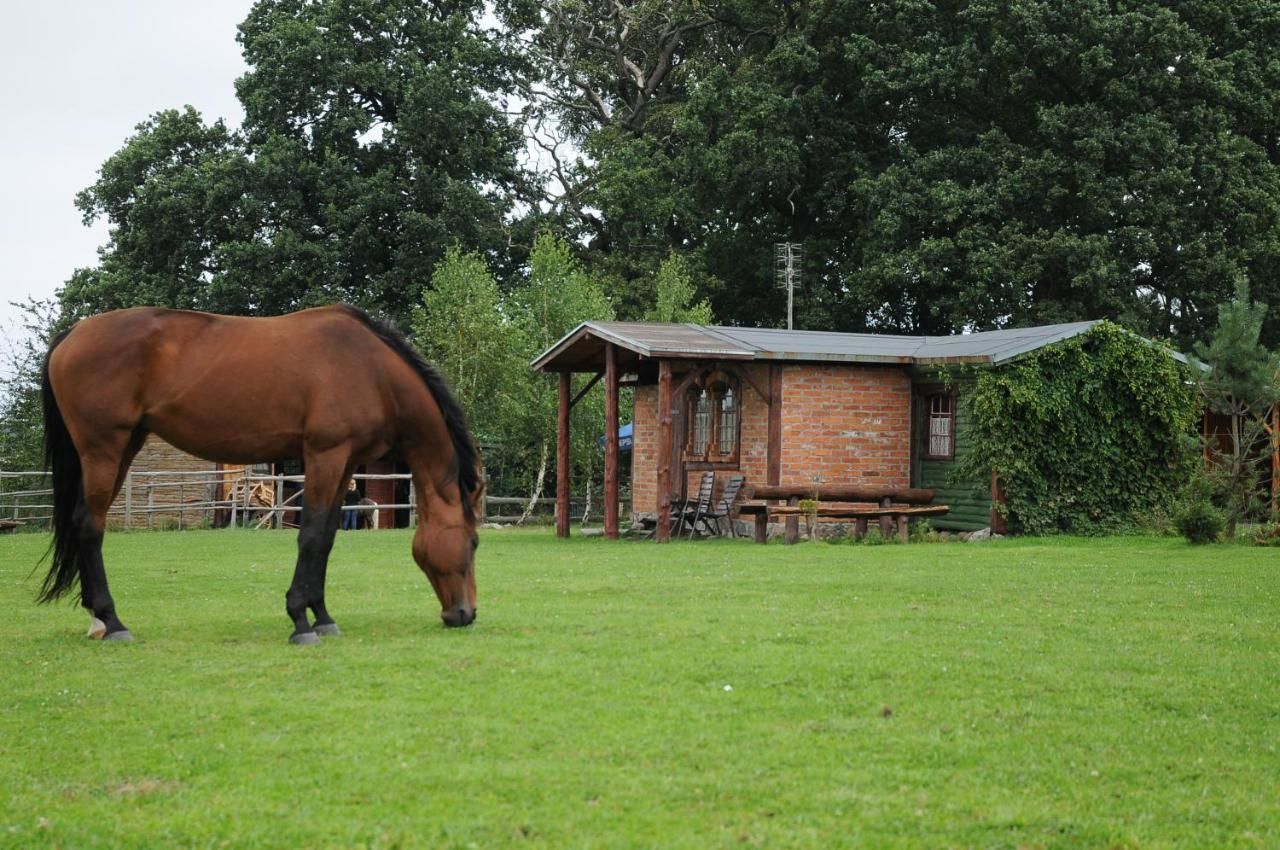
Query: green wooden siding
{"points": [[970, 502]]}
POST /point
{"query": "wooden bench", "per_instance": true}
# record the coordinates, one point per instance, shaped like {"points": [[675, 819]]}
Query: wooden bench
{"points": [[888, 507], [10, 524]]}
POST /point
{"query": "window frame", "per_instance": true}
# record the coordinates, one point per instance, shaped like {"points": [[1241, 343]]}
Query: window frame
{"points": [[717, 385], [926, 449]]}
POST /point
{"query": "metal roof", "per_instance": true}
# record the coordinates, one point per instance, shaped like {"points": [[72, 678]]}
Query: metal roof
{"points": [[583, 346]]}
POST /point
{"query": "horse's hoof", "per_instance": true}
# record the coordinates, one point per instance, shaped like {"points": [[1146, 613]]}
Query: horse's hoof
{"points": [[304, 638], [328, 629], [97, 628], [120, 636]]}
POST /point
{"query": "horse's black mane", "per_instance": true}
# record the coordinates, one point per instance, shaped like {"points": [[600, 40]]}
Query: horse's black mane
{"points": [[465, 457]]}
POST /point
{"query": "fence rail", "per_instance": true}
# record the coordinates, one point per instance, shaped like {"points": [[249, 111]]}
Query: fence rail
{"points": [[182, 499]]}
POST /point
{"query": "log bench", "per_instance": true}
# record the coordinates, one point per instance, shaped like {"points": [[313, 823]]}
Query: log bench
{"points": [[889, 511], [10, 524]]}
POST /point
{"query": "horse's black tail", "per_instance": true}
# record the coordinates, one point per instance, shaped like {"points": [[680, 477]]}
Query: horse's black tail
{"points": [[63, 462]]}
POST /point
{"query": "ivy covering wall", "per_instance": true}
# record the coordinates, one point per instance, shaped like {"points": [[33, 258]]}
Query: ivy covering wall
{"points": [[1087, 435]]}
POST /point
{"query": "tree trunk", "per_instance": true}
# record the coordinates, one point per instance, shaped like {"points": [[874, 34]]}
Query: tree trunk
{"points": [[1273, 430], [537, 484]]}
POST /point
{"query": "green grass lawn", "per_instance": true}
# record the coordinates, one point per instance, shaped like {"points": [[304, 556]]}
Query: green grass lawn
{"points": [[1058, 693]]}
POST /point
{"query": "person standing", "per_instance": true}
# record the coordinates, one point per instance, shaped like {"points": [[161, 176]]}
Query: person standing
{"points": [[350, 518]]}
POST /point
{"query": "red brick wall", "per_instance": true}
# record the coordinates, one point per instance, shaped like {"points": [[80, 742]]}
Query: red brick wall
{"points": [[644, 451], [644, 448], [847, 424]]}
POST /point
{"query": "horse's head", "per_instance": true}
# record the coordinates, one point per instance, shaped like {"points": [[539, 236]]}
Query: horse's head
{"points": [[444, 546]]}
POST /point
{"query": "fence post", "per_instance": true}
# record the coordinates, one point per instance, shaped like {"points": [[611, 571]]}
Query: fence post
{"points": [[182, 501], [151, 504], [248, 498], [128, 501], [413, 506], [280, 503]]}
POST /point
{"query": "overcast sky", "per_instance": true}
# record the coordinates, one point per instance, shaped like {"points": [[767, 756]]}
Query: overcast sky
{"points": [[75, 78]]}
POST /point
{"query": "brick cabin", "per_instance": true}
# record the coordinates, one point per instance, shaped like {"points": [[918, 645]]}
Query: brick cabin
{"points": [[780, 407]]}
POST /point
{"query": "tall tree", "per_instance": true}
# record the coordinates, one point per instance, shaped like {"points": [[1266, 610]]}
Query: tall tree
{"points": [[1242, 382], [947, 164], [557, 296], [464, 328], [375, 137], [21, 410], [674, 295]]}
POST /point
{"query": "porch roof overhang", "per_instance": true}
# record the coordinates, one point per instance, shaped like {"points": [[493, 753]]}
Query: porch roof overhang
{"points": [[582, 349]]}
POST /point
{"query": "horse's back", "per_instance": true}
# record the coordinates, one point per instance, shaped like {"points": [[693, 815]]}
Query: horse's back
{"points": [[228, 388]]}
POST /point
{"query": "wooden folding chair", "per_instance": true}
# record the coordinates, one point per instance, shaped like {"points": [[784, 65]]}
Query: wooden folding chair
{"points": [[703, 505], [723, 508]]}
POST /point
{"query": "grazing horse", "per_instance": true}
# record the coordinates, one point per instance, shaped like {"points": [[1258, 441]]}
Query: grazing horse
{"points": [[329, 385]]}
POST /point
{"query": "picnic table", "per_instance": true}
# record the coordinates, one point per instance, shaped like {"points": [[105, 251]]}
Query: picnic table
{"points": [[891, 506]]}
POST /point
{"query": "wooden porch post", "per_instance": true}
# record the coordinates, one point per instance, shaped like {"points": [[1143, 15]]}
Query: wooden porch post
{"points": [[562, 457], [999, 525], [774, 452], [611, 441], [773, 456], [773, 447], [662, 533]]}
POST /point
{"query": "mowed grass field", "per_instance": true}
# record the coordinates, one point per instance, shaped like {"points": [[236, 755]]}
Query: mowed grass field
{"points": [[1057, 693]]}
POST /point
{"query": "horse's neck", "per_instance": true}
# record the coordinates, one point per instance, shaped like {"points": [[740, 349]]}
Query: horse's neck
{"points": [[427, 446], [431, 468]]}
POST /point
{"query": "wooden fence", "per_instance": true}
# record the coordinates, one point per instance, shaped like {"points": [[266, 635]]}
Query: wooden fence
{"points": [[179, 499]]}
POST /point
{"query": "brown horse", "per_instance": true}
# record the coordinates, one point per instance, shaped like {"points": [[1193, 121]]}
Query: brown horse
{"points": [[330, 385]]}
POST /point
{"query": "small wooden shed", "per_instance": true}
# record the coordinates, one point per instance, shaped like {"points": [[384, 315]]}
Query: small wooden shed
{"points": [[780, 407]]}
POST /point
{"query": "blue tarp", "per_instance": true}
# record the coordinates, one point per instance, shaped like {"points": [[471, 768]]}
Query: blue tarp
{"points": [[624, 438]]}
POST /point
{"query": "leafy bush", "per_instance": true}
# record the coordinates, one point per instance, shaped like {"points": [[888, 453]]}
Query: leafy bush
{"points": [[922, 531], [1200, 522], [1268, 535], [873, 537], [1087, 435]]}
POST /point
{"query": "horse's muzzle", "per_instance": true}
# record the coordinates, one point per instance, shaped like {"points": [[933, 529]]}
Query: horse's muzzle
{"points": [[459, 616]]}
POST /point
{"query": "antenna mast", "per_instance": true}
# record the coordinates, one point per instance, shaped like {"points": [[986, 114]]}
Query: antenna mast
{"points": [[788, 258]]}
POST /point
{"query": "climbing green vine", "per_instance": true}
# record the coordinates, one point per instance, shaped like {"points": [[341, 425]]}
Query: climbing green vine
{"points": [[1087, 435]]}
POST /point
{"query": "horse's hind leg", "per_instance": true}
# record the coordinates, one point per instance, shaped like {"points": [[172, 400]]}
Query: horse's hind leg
{"points": [[103, 473]]}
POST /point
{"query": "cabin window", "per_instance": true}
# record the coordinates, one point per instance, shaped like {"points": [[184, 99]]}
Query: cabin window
{"points": [[941, 432], [727, 431], [715, 416]]}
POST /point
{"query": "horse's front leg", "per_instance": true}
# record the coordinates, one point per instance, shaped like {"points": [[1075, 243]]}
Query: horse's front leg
{"points": [[315, 540]]}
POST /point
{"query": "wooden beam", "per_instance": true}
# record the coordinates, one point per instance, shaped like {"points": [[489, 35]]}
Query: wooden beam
{"points": [[886, 522], [663, 531], [842, 493], [595, 380], [773, 461], [745, 375], [687, 380], [610, 441], [791, 532], [562, 457], [845, 512]]}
